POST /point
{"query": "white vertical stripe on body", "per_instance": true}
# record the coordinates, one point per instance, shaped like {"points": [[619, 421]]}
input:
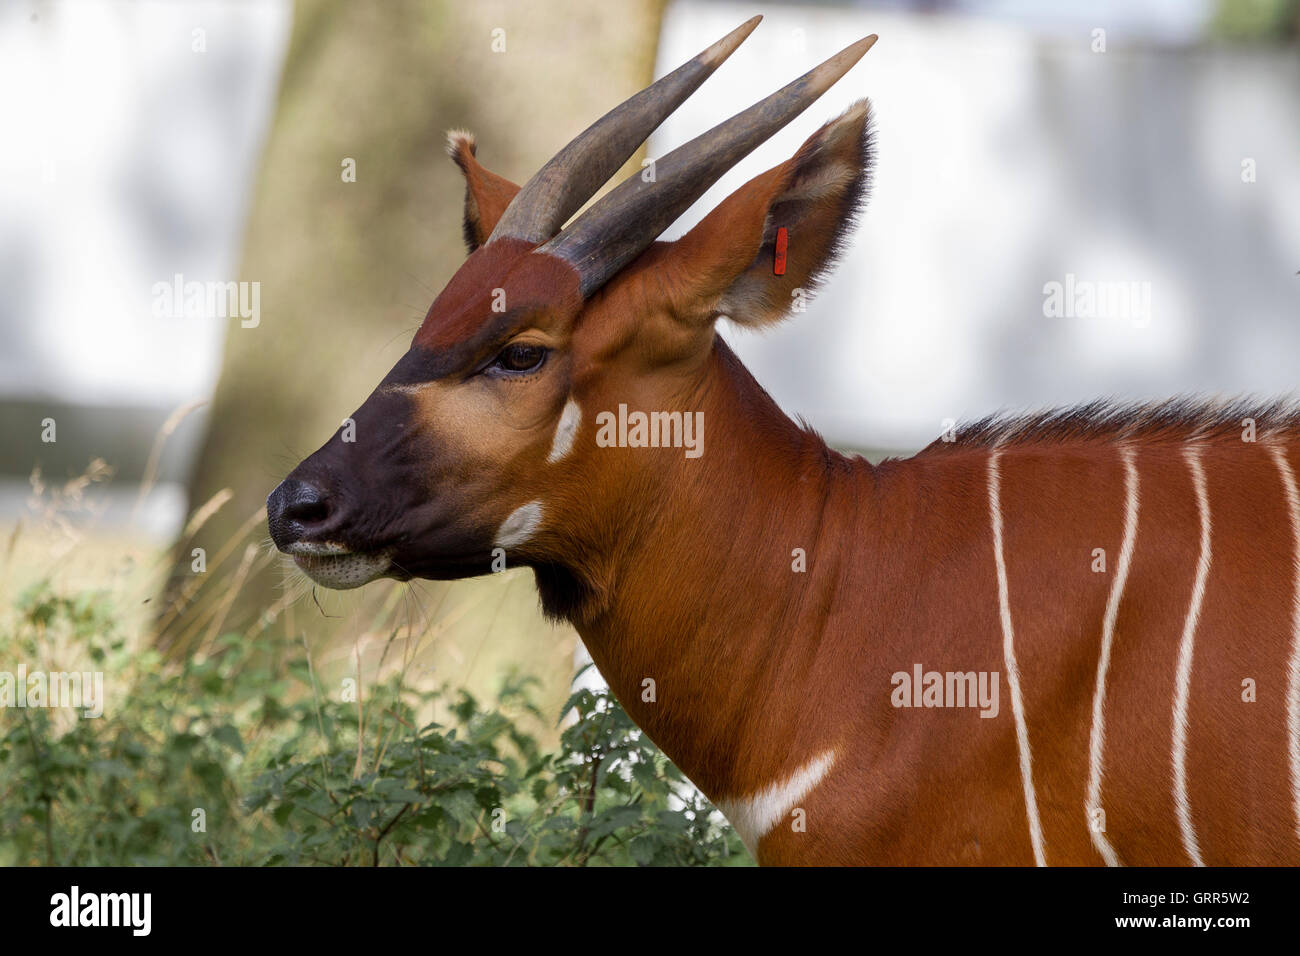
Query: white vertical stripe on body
{"points": [[1097, 739], [1186, 648], [1009, 659], [1293, 668]]}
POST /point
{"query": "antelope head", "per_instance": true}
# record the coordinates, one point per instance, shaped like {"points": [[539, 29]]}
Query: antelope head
{"points": [[480, 444]]}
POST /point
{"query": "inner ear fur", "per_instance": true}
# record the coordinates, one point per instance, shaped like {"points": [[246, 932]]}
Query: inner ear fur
{"points": [[725, 265], [486, 194]]}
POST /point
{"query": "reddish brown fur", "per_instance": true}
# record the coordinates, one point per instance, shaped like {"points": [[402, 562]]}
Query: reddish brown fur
{"points": [[699, 595], [486, 194], [759, 668], [680, 570]]}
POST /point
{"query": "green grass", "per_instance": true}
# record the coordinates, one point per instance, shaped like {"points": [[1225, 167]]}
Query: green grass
{"points": [[271, 748], [223, 759]]}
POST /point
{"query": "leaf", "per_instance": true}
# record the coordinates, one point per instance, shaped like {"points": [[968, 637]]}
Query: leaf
{"points": [[229, 736], [643, 849], [647, 776]]}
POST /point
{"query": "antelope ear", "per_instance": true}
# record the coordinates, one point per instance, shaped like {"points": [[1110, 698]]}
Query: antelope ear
{"points": [[728, 264], [486, 193]]}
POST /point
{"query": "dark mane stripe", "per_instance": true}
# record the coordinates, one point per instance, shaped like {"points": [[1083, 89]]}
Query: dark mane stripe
{"points": [[1106, 421]]}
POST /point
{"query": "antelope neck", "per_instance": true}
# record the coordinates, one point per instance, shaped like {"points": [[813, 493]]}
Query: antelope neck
{"points": [[709, 634]]}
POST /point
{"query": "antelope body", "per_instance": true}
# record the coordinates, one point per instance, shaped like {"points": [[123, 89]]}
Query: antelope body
{"points": [[1124, 576]]}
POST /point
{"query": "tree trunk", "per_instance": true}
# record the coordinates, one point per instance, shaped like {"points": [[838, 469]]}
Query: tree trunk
{"points": [[347, 270]]}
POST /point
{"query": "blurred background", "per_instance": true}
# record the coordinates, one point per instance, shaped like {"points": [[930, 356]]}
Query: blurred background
{"points": [[1072, 200]]}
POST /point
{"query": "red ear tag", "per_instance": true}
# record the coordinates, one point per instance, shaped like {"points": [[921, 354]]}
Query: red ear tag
{"points": [[782, 239]]}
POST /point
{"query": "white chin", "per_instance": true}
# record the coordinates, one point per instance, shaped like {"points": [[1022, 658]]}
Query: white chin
{"points": [[342, 571]]}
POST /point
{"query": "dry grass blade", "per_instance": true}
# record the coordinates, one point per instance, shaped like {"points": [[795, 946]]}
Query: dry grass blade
{"points": [[155, 453]]}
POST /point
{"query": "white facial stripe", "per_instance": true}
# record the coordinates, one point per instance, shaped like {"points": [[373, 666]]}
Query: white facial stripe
{"points": [[405, 389], [565, 431], [520, 526], [754, 816]]}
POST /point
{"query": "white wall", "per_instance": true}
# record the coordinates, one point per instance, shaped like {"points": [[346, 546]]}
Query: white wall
{"points": [[129, 157], [132, 136], [1011, 154]]}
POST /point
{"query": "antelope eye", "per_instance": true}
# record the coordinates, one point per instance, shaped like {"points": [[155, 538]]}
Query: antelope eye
{"points": [[521, 358]]}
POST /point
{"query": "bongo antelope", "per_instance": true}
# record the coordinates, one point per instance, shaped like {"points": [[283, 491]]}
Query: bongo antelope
{"points": [[1125, 576]]}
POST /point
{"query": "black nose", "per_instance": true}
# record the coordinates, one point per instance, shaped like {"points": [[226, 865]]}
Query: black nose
{"points": [[295, 510]]}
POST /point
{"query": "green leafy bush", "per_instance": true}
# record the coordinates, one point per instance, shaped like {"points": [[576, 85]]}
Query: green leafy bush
{"points": [[225, 759]]}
